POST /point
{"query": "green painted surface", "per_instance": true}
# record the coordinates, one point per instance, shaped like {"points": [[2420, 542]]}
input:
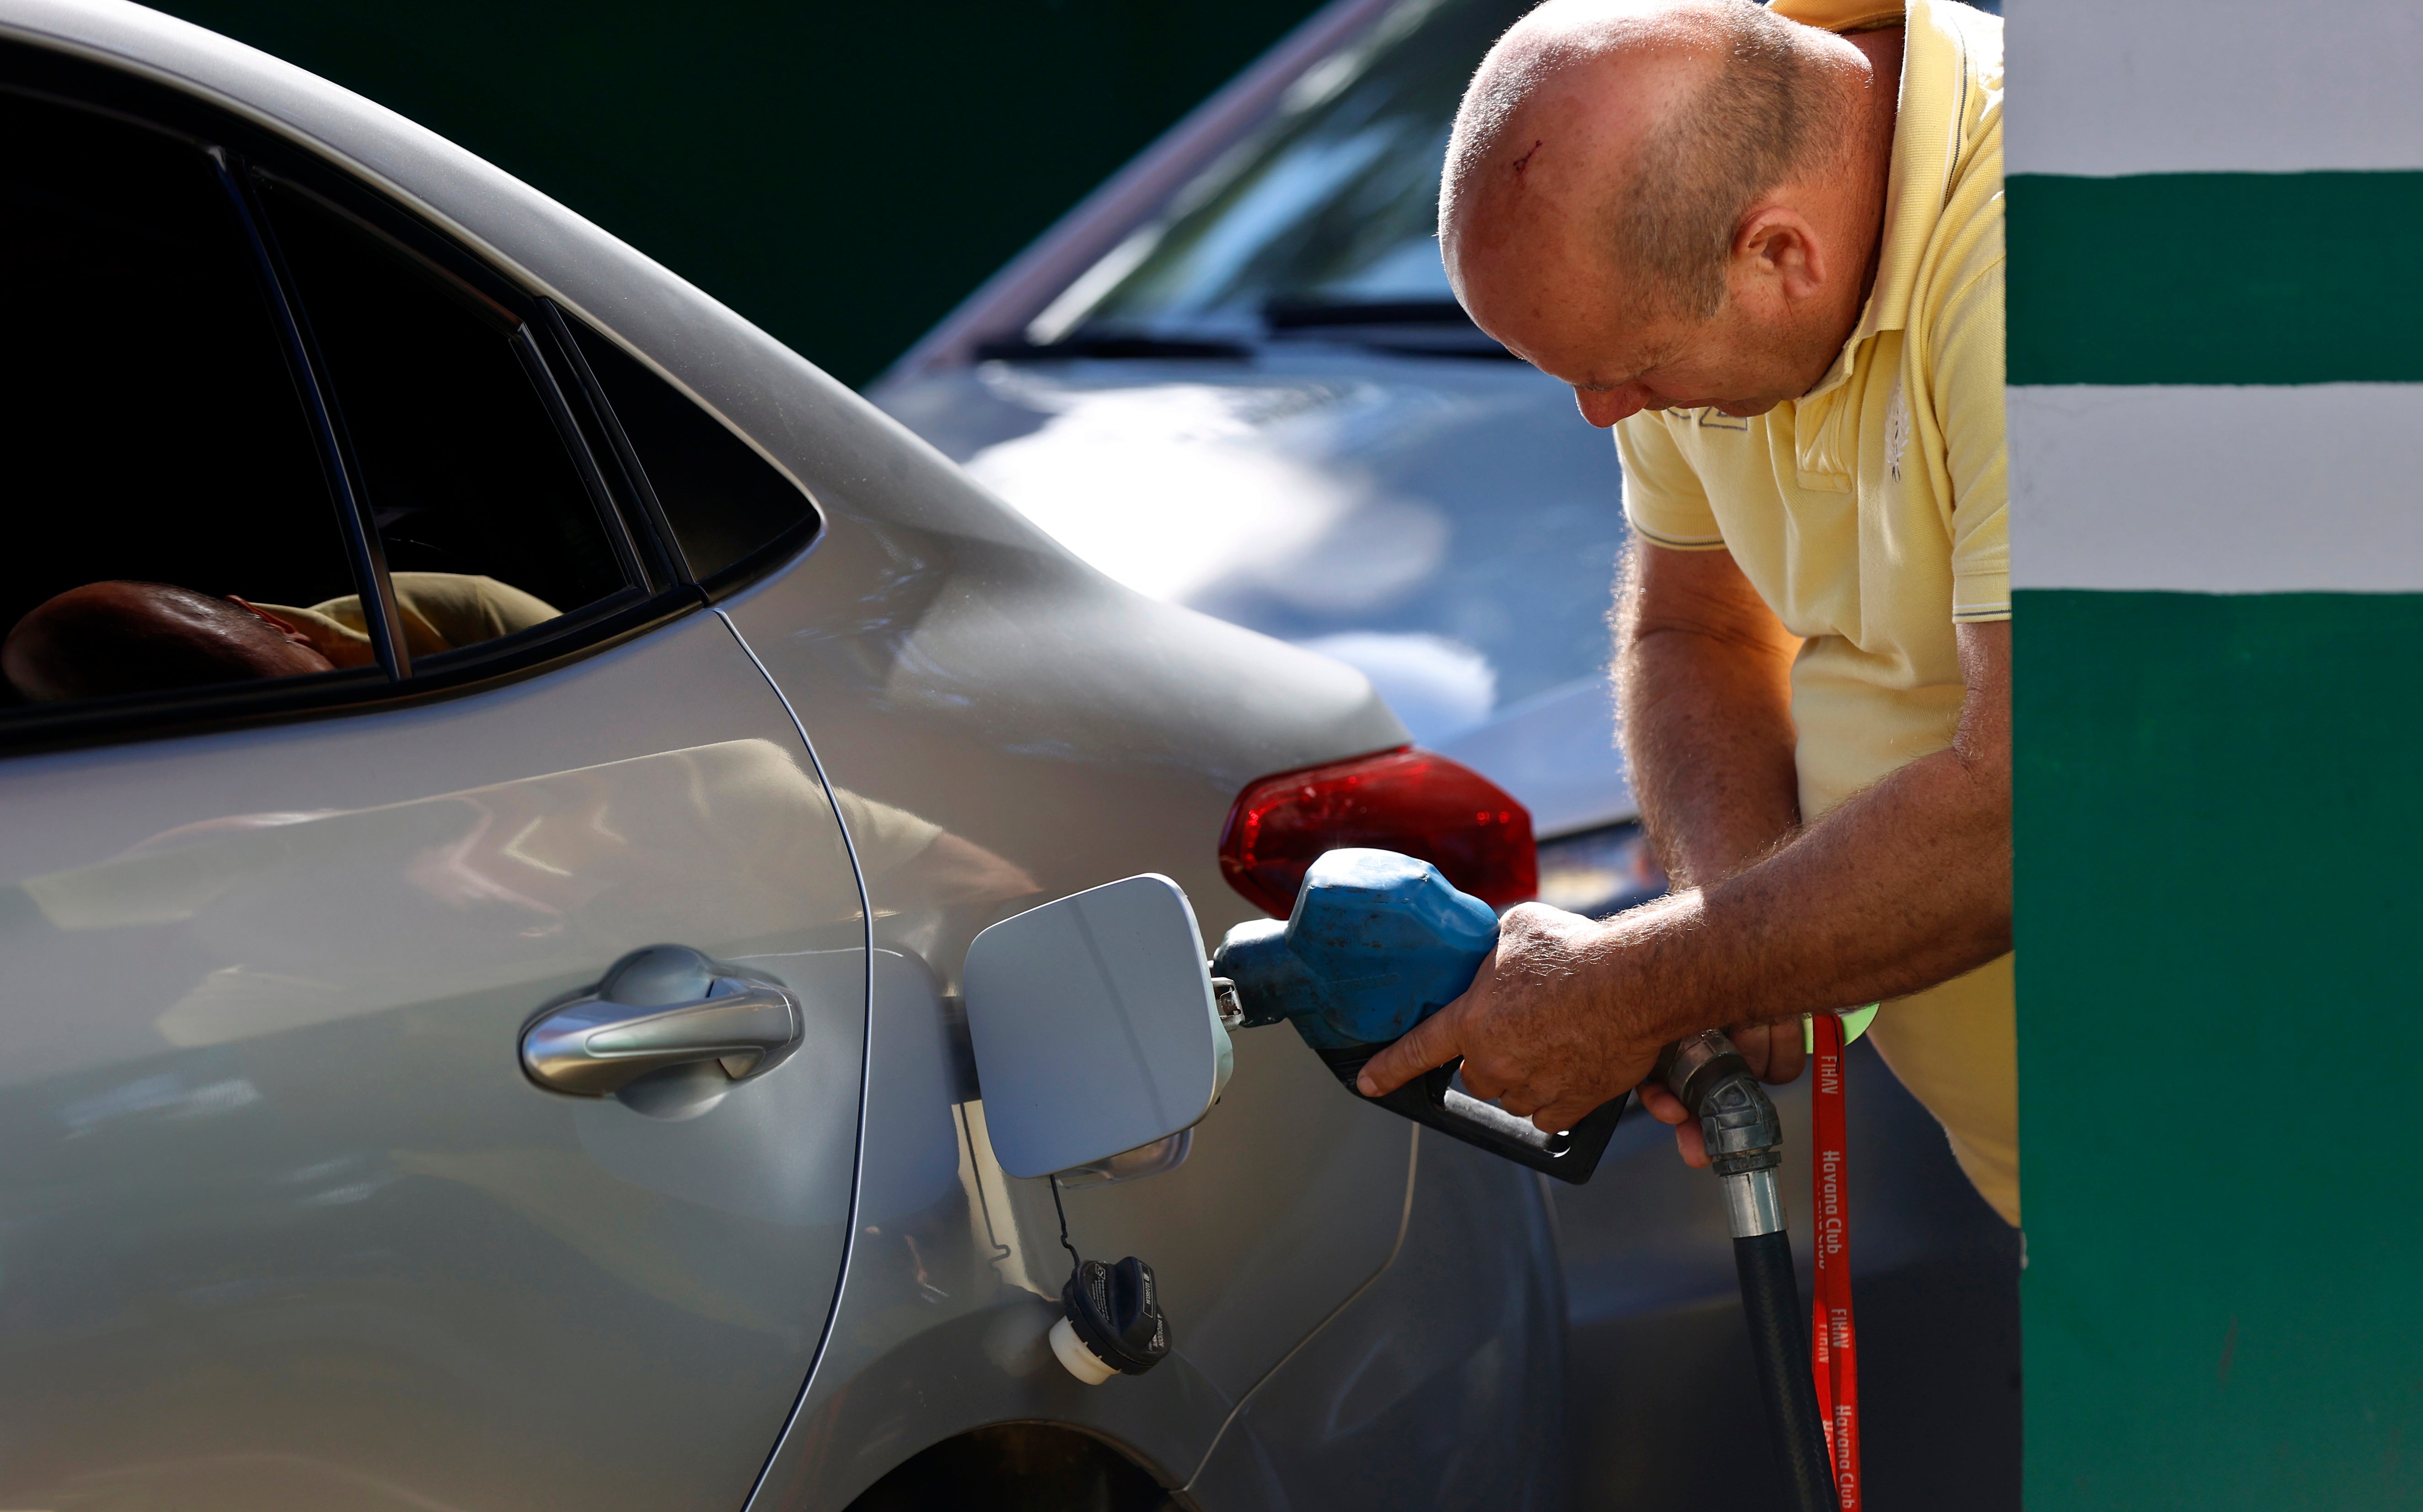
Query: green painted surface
{"points": [[840, 174], [2220, 883], [2215, 278]]}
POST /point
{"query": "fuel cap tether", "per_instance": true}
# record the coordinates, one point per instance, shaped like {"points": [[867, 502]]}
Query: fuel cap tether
{"points": [[1111, 1323]]}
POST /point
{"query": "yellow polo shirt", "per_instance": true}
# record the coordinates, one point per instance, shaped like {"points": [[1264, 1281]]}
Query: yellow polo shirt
{"points": [[1870, 515]]}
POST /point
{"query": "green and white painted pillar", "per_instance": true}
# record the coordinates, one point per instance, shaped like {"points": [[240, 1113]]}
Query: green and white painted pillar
{"points": [[2216, 434]]}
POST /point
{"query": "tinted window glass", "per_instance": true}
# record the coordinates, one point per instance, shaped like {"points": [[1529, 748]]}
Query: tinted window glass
{"points": [[487, 524], [1335, 203], [723, 501], [158, 453]]}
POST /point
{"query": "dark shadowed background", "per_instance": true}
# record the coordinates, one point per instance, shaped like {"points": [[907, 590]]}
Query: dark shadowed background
{"points": [[840, 174]]}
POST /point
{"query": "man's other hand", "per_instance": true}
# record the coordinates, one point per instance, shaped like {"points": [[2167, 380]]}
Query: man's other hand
{"points": [[1775, 1053], [1536, 1029]]}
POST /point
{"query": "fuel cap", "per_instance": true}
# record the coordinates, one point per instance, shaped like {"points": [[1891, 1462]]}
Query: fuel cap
{"points": [[1111, 1321]]}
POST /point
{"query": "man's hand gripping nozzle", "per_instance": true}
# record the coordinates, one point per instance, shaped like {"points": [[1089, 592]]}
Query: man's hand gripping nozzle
{"points": [[1376, 944]]}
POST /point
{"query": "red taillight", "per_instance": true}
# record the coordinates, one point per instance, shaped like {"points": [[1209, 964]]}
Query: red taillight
{"points": [[1406, 800]]}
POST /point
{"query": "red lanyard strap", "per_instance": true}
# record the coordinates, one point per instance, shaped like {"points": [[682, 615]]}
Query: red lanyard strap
{"points": [[1834, 1352]]}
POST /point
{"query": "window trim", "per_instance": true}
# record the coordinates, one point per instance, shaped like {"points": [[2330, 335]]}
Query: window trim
{"points": [[660, 585], [787, 545], [746, 571], [649, 512], [593, 478], [327, 421], [496, 301]]}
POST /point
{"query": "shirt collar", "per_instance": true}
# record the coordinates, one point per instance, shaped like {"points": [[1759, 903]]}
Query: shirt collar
{"points": [[1926, 140]]}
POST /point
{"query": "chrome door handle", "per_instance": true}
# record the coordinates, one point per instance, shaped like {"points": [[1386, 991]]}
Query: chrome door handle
{"points": [[664, 1006]]}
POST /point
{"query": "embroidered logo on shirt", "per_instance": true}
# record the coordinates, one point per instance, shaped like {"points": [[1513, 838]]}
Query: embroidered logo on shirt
{"points": [[1896, 430]]}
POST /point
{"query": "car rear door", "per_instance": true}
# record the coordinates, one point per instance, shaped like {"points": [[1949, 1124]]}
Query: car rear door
{"points": [[285, 1218]]}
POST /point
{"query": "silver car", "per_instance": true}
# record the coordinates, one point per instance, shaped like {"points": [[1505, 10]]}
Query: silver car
{"points": [[1236, 379], [502, 765]]}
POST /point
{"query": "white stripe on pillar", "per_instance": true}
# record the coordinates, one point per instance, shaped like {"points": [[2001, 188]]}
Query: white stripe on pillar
{"points": [[2311, 487], [2213, 86]]}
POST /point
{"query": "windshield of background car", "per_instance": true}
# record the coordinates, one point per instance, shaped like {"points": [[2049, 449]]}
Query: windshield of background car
{"points": [[1334, 202]]}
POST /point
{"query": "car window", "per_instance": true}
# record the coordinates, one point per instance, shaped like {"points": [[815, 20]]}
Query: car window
{"points": [[728, 509], [162, 465], [489, 524], [1334, 203]]}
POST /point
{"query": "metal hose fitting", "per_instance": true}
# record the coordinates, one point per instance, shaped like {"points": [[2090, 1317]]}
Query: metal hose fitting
{"points": [[1745, 1141], [1738, 1121]]}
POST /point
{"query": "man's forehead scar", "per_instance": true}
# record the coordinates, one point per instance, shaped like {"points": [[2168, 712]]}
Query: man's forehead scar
{"points": [[1525, 161]]}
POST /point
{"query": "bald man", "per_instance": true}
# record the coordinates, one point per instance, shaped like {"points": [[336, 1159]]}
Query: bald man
{"points": [[1766, 245]]}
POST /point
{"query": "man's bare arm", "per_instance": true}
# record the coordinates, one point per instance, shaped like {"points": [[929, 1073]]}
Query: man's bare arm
{"points": [[1703, 691], [1905, 885], [1703, 696]]}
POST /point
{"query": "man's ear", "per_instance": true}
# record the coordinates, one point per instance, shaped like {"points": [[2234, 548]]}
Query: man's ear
{"points": [[1775, 246]]}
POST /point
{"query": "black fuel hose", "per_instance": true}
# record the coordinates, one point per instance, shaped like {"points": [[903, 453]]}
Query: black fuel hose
{"points": [[1779, 1340]]}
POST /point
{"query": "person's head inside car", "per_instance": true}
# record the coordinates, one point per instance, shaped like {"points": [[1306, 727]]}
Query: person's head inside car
{"points": [[120, 637]]}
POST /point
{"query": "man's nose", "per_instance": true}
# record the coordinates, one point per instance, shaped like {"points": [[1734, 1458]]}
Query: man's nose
{"points": [[1603, 407]]}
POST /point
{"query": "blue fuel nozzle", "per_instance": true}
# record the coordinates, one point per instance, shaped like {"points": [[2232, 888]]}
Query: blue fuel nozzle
{"points": [[1378, 942]]}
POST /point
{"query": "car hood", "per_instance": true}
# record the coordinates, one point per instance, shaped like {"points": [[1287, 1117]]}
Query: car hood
{"points": [[1448, 526]]}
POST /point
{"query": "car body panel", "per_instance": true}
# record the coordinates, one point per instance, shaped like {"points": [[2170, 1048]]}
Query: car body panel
{"points": [[1366, 1413], [1377, 507], [278, 1189], [941, 1322], [1556, 752], [1072, 732]]}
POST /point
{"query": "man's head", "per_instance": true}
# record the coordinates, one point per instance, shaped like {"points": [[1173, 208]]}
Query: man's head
{"points": [[109, 638], [1667, 203]]}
